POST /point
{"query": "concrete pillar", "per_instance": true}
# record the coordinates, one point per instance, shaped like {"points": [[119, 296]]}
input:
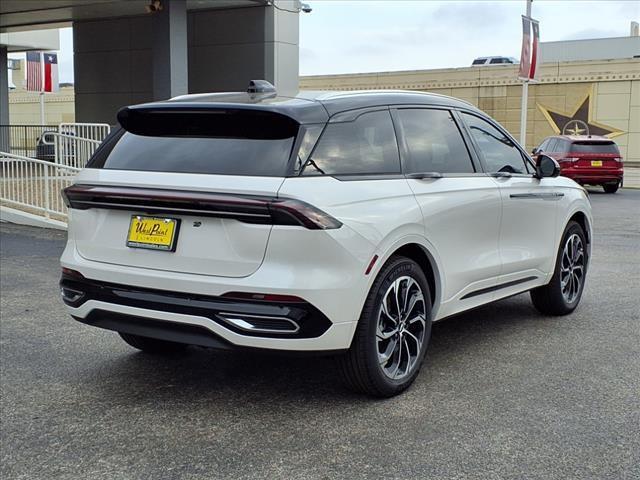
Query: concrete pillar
{"points": [[124, 61], [281, 46], [170, 56], [229, 47], [4, 99]]}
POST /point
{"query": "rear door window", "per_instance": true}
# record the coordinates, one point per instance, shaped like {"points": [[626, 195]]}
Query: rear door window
{"points": [[595, 147], [562, 146], [434, 142], [365, 146]]}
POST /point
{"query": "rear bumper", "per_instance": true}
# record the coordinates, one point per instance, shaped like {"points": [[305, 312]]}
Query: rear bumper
{"points": [[593, 176], [333, 290], [249, 318]]}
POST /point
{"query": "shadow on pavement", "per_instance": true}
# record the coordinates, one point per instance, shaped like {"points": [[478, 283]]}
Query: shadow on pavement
{"points": [[258, 377]]}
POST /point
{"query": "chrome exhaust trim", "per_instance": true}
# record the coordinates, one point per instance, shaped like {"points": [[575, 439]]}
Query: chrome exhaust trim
{"points": [[260, 323]]}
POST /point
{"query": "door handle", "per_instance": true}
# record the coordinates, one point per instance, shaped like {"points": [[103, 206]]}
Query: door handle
{"points": [[542, 195], [422, 175]]}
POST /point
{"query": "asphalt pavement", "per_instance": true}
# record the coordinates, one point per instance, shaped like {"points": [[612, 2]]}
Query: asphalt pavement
{"points": [[505, 393]]}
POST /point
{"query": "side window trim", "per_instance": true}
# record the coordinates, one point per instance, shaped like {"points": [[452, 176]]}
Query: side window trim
{"points": [[525, 157], [404, 148]]}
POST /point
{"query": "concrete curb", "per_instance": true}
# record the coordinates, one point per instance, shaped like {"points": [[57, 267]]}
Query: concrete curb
{"points": [[12, 215]]}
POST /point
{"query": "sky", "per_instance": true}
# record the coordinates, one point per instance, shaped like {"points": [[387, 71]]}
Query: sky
{"points": [[341, 36]]}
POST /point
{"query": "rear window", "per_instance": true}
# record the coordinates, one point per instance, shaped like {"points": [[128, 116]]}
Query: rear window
{"points": [[594, 147], [220, 144]]}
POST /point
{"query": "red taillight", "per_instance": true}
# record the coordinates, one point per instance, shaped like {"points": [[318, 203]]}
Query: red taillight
{"points": [[303, 213], [71, 273], [263, 297], [245, 208], [568, 159]]}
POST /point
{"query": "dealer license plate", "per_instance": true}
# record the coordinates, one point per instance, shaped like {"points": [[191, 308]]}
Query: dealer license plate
{"points": [[153, 233]]}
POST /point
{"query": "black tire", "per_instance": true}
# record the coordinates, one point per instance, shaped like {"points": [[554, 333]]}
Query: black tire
{"points": [[360, 367], [550, 299], [611, 187], [152, 345]]}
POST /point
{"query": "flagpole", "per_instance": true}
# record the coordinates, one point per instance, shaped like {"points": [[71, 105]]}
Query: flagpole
{"points": [[42, 108], [42, 120], [525, 97]]}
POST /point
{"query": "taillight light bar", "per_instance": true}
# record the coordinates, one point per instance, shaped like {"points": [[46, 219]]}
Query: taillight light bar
{"points": [[568, 159], [245, 208]]}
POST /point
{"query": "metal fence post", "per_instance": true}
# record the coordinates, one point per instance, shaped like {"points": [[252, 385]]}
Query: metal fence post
{"points": [[47, 200]]}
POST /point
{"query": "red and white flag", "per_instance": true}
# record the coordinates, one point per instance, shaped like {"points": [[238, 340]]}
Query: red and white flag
{"points": [[530, 53], [42, 72]]}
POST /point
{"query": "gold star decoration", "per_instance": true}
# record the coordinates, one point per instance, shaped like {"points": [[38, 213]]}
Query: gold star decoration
{"points": [[578, 122]]}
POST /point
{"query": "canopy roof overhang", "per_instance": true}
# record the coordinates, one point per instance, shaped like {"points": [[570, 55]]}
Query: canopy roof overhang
{"points": [[21, 15]]}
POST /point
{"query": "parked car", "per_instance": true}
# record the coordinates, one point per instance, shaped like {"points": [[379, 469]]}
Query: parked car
{"points": [[480, 61], [342, 223], [588, 160], [45, 149]]}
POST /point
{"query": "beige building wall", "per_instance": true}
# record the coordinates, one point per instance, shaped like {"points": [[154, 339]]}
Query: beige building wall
{"points": [[611, 87]]}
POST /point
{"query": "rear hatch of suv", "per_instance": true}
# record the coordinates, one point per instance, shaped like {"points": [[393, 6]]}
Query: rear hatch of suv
{"points": [[186, 190], [594, 154]]}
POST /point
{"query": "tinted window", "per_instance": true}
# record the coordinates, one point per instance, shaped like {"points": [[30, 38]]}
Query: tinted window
{"points": [[593, 147], [498, 151], [434, 142], [366, 145], [497, 60], [479, 61], [543, 145], [553, 144], [214, 141], [224, 156], [562, 146]]}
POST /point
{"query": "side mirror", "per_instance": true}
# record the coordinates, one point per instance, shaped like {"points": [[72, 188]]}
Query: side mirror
{"points": [[547, 166]]}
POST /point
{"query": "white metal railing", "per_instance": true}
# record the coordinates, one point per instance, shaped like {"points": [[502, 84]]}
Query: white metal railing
{"points": [[93, 131], [34, 185], [71, 150]]}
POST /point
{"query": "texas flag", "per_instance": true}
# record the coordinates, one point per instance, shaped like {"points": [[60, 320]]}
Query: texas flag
{"points": [[50, 72], [42, 72]]}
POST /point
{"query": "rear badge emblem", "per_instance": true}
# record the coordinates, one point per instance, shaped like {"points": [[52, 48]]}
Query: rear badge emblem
{"points": [[197, 224]]}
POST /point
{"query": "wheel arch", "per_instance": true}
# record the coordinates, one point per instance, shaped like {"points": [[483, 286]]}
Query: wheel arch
{"points": [[415, 250], [581, 219]]}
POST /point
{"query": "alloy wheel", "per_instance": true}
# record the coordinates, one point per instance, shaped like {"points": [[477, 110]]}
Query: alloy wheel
{"points": [[572, 268], [401, 328]]}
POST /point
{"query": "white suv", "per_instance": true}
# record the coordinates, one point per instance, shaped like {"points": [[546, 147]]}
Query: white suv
{"points": [[329, 222]]}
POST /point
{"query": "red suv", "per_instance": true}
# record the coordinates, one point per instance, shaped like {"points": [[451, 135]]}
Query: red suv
{"points": [[588, 160]]}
